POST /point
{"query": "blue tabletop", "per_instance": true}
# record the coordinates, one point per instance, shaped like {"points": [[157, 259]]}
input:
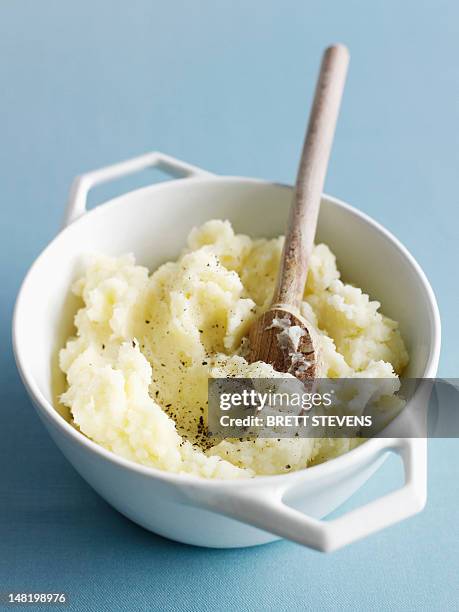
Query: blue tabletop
{"points": [[226, 86]]}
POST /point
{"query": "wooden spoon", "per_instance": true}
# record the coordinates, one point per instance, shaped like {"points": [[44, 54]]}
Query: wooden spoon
{"points": [[281, 336]]}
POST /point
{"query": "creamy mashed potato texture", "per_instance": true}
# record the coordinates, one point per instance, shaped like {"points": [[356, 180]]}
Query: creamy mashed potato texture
{"points": [[146, 345]]}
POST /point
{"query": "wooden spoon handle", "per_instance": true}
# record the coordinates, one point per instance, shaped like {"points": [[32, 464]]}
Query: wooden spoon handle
{"points": [[299, 239]]}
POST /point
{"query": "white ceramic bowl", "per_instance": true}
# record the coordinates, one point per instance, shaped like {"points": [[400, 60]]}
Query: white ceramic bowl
{"points": [[153, 223]]}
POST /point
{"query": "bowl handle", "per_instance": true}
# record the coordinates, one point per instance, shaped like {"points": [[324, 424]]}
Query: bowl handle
{"points": [[76, 206], [264, 508]]}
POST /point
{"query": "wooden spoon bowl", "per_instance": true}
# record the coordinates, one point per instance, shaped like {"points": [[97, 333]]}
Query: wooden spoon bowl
{"points": [[283, 339]]}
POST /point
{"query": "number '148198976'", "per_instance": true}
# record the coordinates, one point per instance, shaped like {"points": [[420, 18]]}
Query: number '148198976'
{"points": [[34, 598]]}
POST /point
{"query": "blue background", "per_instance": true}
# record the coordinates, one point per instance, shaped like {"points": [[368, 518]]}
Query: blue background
{"points": [[227, 86]]}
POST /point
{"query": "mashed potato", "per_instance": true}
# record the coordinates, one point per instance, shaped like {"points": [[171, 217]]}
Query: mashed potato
{"points": [[145, 347]]}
